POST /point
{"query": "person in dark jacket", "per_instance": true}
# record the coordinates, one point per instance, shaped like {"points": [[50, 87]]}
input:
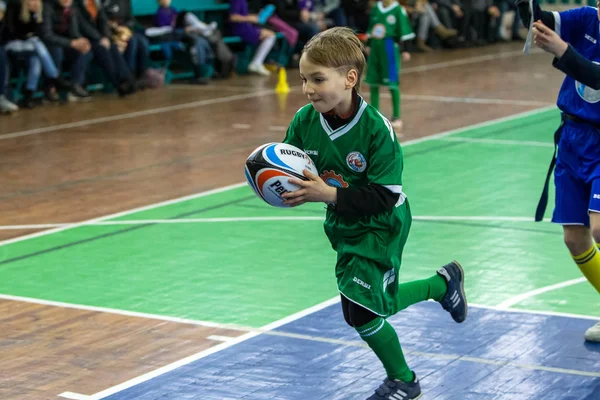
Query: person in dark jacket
{"points": [[134, 44], [94, 26], [61, 33]]}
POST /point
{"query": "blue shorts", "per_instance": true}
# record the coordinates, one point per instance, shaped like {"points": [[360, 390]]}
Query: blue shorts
{"points": [[577, 174]]}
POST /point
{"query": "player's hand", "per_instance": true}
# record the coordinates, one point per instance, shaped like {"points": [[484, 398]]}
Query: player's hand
{"points": [[313, 190], [104, 42], [405, 56], [546, 39]]}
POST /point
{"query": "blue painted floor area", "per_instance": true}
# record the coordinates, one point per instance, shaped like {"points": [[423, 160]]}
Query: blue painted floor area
{"points": [[269, 367]]}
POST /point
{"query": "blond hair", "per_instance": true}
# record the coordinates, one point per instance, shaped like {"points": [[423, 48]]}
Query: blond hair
{"points": [[26, 15], [337, 48]]}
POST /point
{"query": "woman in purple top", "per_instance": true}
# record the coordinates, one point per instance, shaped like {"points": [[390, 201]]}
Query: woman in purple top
{"points": [[245, 26]]}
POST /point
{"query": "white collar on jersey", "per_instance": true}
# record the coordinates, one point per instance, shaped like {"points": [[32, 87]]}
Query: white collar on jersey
{"points": [[334, 134], [390, 7]]}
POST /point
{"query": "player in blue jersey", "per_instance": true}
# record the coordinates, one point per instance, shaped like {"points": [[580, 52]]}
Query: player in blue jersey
{"points": [[576, 38]]}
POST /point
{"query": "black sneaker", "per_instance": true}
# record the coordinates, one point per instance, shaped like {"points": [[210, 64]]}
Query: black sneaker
{"points": [[454, 301], [79, 91], [51, 93], [397, 390]]}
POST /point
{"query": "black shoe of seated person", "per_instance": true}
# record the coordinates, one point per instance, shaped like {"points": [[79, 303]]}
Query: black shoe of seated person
{"points": [[79, 91]]}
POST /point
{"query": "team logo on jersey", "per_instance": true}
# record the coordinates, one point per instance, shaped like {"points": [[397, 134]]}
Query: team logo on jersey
{"points": [[378, 31], [333, 179], [391, 19], [586, 93], [356, 161], [388, 278]]}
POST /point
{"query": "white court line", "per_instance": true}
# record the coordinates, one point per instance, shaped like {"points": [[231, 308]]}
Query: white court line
{"points": [[74, 396], [136, 114], [181, 199], [465, 61], [220, 338], [537, 312], [466, 100], [241, 126], [475, 100], [523, 296], [499, 141], [259, 219], [278, 128], [120, 214]]}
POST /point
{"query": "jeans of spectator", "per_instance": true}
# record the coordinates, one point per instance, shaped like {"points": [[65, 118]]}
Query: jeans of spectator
{"points": [[78, 62], [137, 54], [338, 16], [113, 64], [3, 71], [427, 20], [34, 72], [199, 48], [45, 59]]}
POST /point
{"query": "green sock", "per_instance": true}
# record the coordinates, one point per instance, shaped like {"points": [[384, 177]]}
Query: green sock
{"points": [[383, 340], [375, 96], [414, 292], [395, 92]]}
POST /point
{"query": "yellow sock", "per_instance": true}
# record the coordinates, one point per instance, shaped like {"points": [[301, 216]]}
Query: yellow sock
{"points": [[589, 264]]}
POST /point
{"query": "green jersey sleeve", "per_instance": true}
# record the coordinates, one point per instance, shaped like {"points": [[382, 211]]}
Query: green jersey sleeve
{"points": [[386, 159], [406, 31]]}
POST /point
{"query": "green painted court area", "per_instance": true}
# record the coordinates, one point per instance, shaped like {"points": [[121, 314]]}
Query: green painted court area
{"points": [[473, 194]]}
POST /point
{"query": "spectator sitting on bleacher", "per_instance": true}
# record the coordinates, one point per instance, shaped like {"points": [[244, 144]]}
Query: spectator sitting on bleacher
{"points": [[5, 105], [94, 26], [168, 16], [245, 25], [424, 12], [480, 16], [134, 45], [22, 44], [332, 11], [172, 27], [268, 19], [298, 17], [450, 12], [60, 32], [325, 13], [167, 20]]}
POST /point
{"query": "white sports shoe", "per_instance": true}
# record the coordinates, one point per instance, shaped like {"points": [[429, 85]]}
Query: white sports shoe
{"points": [[259, 69], [593, 334], [6, 106]]}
